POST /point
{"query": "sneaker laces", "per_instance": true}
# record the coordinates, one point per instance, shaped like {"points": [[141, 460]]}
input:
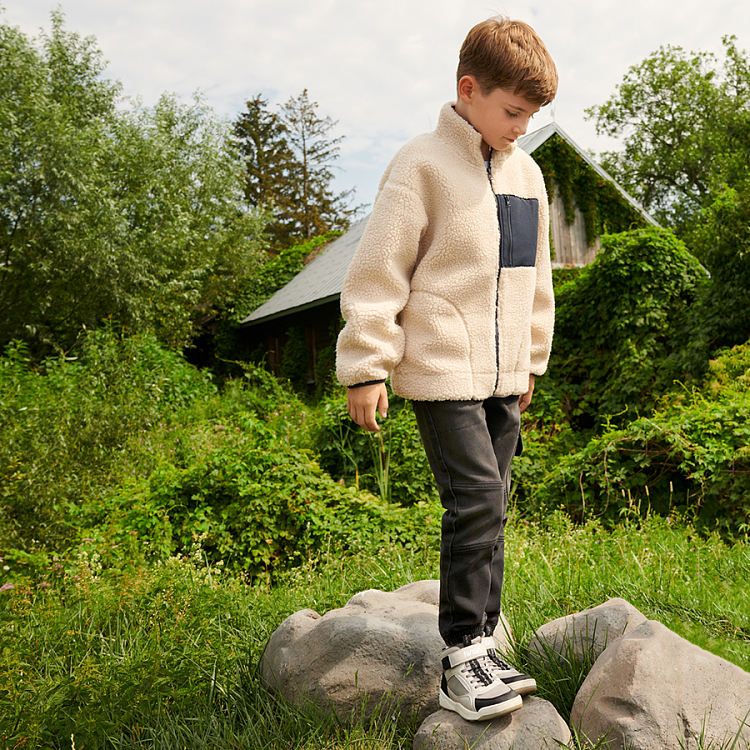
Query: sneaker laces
{"points": [[475, 673], [495, 658]]}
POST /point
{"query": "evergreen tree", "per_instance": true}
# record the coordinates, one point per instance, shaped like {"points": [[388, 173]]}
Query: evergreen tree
{"points": [[289, 160], [269, 164], [319, 208]]}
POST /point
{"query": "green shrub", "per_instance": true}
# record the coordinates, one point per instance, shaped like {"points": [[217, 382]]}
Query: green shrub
{"points": [[690, 456], [63, 425], [357, 457], [620, 326], [256, 502]]}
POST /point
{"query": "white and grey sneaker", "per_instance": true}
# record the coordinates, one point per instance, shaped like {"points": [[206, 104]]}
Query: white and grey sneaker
{"points": [[523, 684], [471, 686]]}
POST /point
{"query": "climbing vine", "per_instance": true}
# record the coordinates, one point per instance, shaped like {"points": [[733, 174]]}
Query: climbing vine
{"points": [[604, 209]]}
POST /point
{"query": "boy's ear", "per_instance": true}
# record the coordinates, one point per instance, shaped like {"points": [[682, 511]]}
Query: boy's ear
{"points": [[467, 87]]}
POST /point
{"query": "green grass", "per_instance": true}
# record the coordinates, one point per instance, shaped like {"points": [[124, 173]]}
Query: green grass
{"points": [[133, 655]]}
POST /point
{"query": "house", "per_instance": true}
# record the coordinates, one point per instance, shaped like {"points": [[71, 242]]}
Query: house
{"points": [[585, 203]]}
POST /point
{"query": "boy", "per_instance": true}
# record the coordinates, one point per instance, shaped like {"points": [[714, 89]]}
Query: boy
{"points": [[450, 294]]}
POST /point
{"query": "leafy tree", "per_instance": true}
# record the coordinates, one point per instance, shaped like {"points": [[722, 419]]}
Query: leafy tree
{"points": [[721, 317], [289, 160], [679, 116], [196, 239], [106, 211]]}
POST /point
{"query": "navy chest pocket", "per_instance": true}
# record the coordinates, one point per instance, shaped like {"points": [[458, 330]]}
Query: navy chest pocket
{"points": [[519, 227]]}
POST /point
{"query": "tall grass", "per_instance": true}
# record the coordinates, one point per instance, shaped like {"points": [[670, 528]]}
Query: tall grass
{"points": [[111, 639], [166, 656]]}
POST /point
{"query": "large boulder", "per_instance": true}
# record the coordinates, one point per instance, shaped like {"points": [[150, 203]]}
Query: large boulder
{"points": [[380, 651], [535, 726], [652, 689], [582, 636]]}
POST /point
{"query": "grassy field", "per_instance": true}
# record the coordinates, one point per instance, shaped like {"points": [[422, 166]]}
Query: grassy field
{"points": [[112, 462], [133, 655]]}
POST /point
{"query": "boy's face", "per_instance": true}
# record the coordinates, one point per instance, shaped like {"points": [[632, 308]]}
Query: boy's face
{"points": [[500, 116]]}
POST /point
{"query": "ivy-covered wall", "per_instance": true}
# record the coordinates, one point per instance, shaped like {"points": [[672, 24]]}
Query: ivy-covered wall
{"points": [[604, 209]]}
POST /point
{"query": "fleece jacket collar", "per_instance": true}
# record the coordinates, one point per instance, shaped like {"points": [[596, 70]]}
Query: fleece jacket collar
{"points": [[463, 137]]}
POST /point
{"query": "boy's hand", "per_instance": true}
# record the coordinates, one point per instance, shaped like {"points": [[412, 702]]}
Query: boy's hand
{"points": [[525, 400], [364, 401]]}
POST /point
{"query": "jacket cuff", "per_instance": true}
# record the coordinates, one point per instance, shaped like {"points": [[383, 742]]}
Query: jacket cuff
{"points": [[368, 382]]}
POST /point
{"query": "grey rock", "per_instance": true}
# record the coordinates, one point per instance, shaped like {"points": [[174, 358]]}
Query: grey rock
{"points": [[653, 689], [535, 726], [379, 652], [420, 591], [582, 636]]}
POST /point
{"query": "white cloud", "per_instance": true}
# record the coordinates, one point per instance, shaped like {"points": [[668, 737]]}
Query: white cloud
{"points": [[381, 69]]}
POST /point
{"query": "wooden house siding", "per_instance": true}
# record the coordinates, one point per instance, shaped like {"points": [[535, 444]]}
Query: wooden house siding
{"points": [[568, 241]]}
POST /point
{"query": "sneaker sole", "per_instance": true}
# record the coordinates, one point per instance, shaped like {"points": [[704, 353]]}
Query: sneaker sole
{"points": [[488, 712], [522, 687]]}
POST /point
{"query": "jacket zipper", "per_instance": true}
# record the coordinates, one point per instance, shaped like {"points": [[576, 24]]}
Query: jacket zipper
{"points": [[499, 270], [508, 224]]}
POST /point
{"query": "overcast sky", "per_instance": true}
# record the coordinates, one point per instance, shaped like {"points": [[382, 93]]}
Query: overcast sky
{"points": [[381, 68]]}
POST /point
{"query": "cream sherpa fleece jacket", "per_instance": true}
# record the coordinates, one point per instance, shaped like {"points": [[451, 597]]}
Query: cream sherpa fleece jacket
{"points": [[450, 290]]}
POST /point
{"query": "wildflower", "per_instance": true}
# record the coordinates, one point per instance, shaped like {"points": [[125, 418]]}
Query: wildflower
{"points": [[7, 587], [44, 585]]}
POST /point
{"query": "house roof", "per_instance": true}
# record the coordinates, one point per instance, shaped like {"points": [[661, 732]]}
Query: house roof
{"points": [[322, 279]]}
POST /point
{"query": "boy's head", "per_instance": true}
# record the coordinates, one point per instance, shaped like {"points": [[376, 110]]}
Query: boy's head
{"points": [[505, 54]]}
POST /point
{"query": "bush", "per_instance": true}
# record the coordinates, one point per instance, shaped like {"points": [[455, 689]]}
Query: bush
{"points": [[131, 440], [690, 456], [64, 425], [256, 502], [620, 326]]}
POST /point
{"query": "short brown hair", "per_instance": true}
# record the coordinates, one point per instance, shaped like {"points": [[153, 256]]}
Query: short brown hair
{"points": [[501, 53]]}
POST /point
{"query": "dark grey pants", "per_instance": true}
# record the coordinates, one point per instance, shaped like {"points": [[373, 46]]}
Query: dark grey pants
{"points": [[470, 445]]}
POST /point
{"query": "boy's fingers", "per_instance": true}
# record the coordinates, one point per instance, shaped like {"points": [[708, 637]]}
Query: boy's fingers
{"points": [[364, 417], [364, 404], [368, 421], [384, 405]]}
